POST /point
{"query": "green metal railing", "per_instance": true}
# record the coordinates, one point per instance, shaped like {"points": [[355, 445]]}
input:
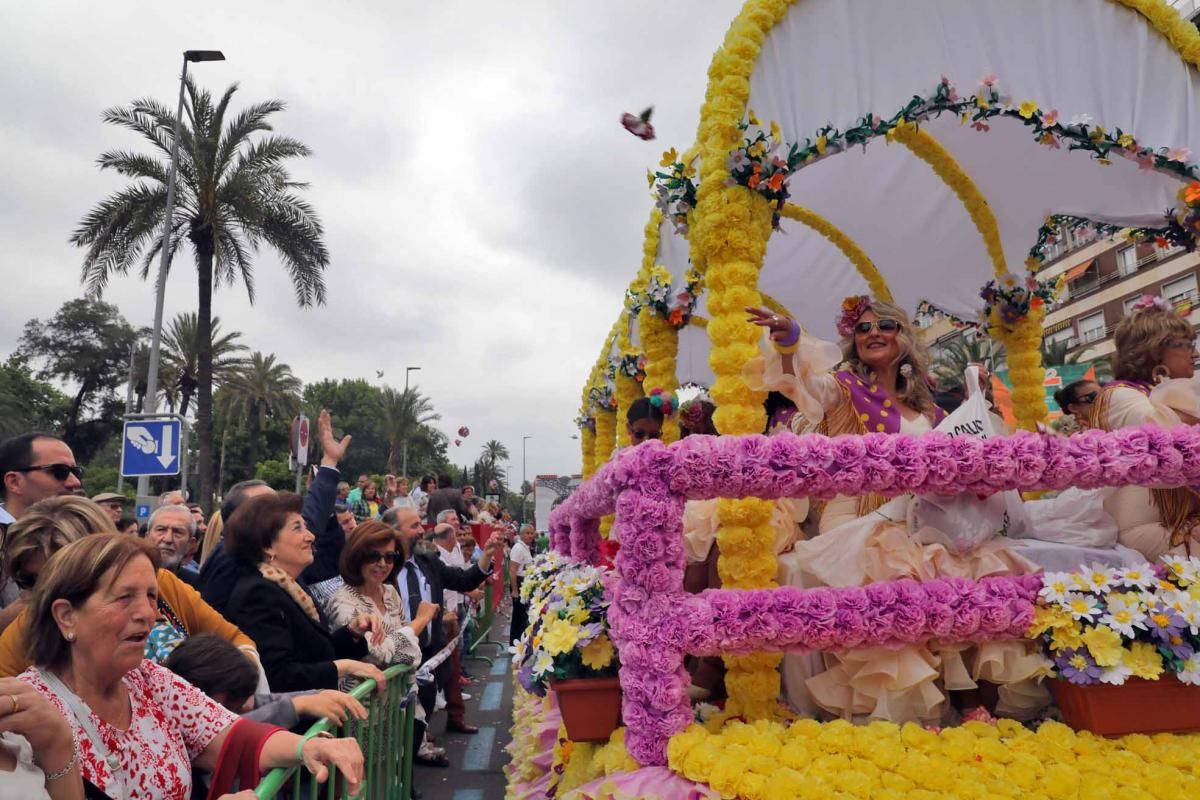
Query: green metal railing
{"points": [[386, 739]]}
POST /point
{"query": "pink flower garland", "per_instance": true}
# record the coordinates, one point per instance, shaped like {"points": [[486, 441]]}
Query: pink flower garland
{"points": [[654, 622]]}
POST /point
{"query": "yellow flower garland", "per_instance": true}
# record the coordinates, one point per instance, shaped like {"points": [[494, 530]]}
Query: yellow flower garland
{"points": [[587, 443], [766, 761], [660, 340], [1181, 34], [927, 148], [850, 249], [606, 440], [628, 390], [1023, 343]]}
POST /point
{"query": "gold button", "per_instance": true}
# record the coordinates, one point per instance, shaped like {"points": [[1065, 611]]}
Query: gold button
{"points": [[880, 427]]}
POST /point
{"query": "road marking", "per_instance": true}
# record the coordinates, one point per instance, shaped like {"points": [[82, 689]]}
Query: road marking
{"points": [[493, 695], [479, 752], [468, 794], [500, 667]]}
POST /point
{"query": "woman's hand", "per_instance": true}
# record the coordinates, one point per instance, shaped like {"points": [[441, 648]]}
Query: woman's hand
{"points": [[426, 612], [370, 626], [321, 754], [25, 711], [360, 669], [780, 327], [329, 704]]}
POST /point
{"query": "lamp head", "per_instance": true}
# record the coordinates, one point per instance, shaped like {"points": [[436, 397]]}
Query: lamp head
{"points": [[203, 55]]}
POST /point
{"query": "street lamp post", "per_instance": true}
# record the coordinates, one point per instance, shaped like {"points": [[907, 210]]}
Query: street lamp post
{"points": [[407, 370], [524, 479], [143, 485]]}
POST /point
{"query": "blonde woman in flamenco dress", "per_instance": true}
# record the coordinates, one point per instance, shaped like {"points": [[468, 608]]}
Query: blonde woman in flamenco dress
{"points": [[882, 387]]}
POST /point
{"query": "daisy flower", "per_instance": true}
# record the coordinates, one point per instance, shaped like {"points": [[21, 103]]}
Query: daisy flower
{"points": [[1136, 577], [1055, 587], [1099, 579], [1080, 120], [1116, 675], [1124, 615], [1082, 607], [1189, 672]]}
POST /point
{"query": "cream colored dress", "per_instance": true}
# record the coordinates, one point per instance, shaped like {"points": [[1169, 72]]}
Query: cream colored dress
{"points": [[1139, 525]]}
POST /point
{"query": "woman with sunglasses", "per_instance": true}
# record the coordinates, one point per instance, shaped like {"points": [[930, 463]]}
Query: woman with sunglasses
{"points": [[881, 386], [269, 541], [1154, 369], [1076, 401], [644, 420]]}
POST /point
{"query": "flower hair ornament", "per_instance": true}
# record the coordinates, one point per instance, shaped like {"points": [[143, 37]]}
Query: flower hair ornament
{"points": [[663, 402], [852, 310], [1149, 302], [692, 412]]}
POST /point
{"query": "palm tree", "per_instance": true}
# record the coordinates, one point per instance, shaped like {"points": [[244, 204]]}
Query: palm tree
{"points": [[954, 358], [233, 194], [494, 451], [181, 345], [262, 388], [406, 418]]}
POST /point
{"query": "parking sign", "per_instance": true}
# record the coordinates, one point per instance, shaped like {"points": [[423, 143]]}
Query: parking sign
{"points": [[150, 447]]}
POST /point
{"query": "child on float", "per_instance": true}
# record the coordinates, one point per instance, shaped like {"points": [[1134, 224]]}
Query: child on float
{"points": [[1154, 369], [882, 387]]}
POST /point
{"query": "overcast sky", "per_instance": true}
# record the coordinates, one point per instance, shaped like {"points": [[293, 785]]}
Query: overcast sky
{"points": [[482, 205]]}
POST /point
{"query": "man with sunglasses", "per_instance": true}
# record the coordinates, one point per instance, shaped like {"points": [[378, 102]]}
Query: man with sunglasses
{"points": [[33, 466]]}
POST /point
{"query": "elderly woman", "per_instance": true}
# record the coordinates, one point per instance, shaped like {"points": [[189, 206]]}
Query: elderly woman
{"points": [[139, 727], [1153, 366], [268, 539], [54, 523]]}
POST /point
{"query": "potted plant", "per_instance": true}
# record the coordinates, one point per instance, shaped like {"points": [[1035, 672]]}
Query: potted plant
{"points": [[567, 646], [1125, 645]]}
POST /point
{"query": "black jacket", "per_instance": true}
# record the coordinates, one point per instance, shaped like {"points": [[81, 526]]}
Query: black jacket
{"points": [[220, 572], [440, 577], [446, 499], [296, 653]]}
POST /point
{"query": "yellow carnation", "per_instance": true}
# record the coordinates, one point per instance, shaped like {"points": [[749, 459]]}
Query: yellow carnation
{"points": [[559, 636], [1067, 637], [1144, 660], [598, 654], [1105, 645]]}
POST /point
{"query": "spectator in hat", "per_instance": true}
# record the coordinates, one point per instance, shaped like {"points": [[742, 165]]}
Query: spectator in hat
{"points": [[111, 502]]}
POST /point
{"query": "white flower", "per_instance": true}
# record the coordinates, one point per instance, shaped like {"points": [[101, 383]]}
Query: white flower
{"points": [[544, 663], [1099, 579], [1190, 671], [1185, 570], [1079, 582], [737, 160], [1081, 606], [1135, 577], [1116, 675], [1055, 587], [1191, 615], [1080, 120], [1124, 614], [1176, 599]]}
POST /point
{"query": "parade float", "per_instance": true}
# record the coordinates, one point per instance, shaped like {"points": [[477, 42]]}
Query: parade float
{"points": [[924, 153]]}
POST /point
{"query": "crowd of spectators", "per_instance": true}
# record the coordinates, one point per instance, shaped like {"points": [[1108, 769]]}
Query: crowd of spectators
{"points": [[211, 643]]}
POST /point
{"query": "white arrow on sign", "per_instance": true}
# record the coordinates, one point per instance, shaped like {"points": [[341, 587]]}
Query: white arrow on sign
{"points": [[167, 456]]}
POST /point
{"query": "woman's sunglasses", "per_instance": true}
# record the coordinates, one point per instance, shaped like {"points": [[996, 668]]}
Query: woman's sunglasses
{"points": [[884, 326], [641, 436], [391, 558], [24, 580], [59, 472], [1087, 399]]}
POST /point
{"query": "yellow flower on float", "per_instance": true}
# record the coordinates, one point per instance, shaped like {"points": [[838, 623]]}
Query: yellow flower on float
{"points": [[598, 654], [1027, 109], [776, 132], [669, 158], [559, 637], [1069, 636], [1144, 660], [1105, 645]]}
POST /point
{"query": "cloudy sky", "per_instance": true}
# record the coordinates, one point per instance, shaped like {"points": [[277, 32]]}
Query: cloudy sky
{"points": [[482, 205]]}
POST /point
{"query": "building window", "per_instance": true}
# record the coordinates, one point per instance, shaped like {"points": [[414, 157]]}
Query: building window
{"points": [[1060, 336], [1092, 328], [1181, 289], [1127, 261], [1130, 302]]}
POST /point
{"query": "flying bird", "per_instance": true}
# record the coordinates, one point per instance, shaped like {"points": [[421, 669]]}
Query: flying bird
{"points": [[639, 125], [378, 373]]}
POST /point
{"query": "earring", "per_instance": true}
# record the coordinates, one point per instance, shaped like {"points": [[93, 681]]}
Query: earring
{"points": [[1160, 374], [70, 636]]}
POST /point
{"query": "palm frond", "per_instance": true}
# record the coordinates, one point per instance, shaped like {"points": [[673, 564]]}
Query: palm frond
{"points": [[134, 165], [291, 226]]}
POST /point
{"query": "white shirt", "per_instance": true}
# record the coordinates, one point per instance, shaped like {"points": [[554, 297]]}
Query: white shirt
{"points": [[520, 556], [452, 558]]}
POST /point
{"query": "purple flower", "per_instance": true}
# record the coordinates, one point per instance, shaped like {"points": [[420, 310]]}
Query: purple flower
{"points": [[1078, 666], [1166, 625], [910, 623]]}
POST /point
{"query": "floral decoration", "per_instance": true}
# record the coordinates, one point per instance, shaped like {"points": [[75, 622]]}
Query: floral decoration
{"points": [[1009, 300], [660, 338], [1103, 625], [675, 307], [1152, 302], [1164, 238], [674, 189], [852, 310], [632, 365], [763, 163], [807, 759], [567, 635]]}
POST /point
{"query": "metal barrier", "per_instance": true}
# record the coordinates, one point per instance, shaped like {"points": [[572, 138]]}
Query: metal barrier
{"points": [[484, 620], [386, 739]]}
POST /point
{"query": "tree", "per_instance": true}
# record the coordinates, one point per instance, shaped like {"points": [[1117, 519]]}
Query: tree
{"points": [[234, 193], [85, 344], [28, 404], [406, 418], [263, 388], [494, 451], [955, 357], [181, 346]]}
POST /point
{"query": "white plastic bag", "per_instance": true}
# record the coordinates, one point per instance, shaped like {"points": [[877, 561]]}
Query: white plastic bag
{"points": [[1075, 517], [967, 520]]}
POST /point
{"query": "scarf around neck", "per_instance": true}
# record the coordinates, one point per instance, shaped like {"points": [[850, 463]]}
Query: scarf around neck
{"points": [[284, 581]]}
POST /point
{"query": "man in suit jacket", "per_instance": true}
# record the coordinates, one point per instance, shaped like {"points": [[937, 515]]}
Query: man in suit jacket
{"points": [[430, 577]]}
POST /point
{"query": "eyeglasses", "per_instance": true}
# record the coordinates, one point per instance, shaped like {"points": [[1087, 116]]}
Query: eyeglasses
{"points": [[24, 580], [641, 436], [1087, 399], [60, 472], [884, 326], [1182, 344], [390, 558]]}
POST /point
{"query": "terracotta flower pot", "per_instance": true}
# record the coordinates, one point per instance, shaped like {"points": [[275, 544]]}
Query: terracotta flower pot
{"points": [[591, 707], [1137, 706]]}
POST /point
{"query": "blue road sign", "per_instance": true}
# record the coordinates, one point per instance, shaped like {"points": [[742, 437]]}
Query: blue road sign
{"points": [[150, 447], [143, 512]]}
